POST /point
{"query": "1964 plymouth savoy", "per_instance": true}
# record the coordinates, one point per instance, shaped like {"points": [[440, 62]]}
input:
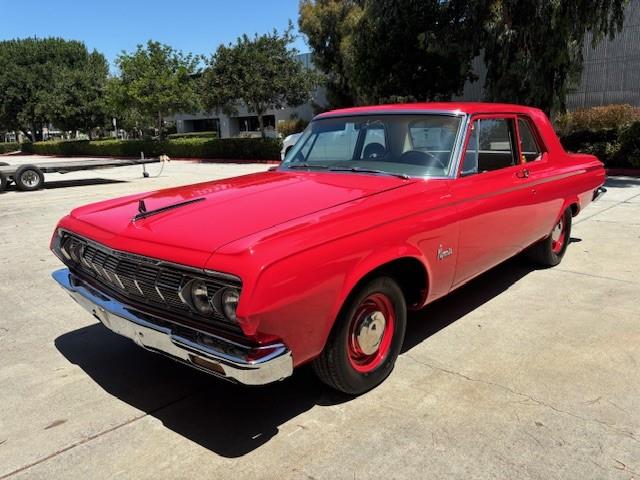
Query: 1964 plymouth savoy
{"points": [[376, 210]]}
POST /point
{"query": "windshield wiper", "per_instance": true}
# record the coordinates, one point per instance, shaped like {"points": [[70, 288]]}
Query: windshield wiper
{"points": [[368, 170], [306, 165]]}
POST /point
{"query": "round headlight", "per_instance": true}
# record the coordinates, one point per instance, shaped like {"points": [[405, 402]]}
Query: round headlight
{"points": [[200, 297], [229, 300]]}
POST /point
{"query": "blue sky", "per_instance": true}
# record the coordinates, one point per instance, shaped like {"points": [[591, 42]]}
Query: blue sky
{"points": [[111, 26]]}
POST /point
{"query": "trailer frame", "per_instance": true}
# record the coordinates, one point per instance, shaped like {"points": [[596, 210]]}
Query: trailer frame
{"points": [[30, 176]]}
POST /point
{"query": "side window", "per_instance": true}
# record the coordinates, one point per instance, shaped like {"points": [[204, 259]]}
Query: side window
{"points": [[375, 144], [496, 144], [528, 143]]}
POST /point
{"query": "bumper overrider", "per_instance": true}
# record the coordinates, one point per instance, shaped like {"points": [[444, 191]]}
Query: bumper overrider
{"points": [[249, 365]]}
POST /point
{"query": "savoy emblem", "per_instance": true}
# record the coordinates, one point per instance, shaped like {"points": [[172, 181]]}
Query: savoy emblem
{"points": [[442, 254]]}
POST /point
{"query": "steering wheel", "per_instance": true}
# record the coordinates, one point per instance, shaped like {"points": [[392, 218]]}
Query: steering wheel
{"points": [[418, 157]]}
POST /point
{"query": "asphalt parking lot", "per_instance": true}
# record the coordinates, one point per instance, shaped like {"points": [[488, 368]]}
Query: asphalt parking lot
{"points": [[523, 373]]}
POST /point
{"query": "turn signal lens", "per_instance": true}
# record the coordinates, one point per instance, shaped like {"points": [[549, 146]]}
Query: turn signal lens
{"points": [[229, 300], [200, 297]]}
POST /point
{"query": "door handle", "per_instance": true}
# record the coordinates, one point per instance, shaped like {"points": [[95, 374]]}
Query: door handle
{"points": [[524, 173]]}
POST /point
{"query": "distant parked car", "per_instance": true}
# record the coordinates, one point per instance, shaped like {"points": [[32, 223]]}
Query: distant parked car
{"points": [[375, 211], [288, 143]]}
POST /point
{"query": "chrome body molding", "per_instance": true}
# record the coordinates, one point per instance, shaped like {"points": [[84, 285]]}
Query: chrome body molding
{"points": [[225, 358]]}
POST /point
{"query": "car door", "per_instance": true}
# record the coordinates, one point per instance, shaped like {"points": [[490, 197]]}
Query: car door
{"points": [[541, 176], [493, 197]]}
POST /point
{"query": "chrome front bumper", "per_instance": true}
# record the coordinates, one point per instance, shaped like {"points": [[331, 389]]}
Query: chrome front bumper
{"points": [[219, 356]]}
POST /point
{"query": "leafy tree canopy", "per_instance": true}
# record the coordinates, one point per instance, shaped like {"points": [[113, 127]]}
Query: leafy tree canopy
{"points": [[50, 80], [392, 50], [533, 48], [261, 72], [329, 26], [155, 81], [380, 50]]}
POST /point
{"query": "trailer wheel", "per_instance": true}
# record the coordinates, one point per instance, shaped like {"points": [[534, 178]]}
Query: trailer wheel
{"points": [[28, 178], [3, 182]]}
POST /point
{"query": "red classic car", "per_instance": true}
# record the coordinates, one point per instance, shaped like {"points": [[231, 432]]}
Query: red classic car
{"points": [[376, 210]]}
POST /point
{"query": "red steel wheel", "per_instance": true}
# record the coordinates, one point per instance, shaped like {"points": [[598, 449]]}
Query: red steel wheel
{"points": [[370, 333], [549, 251], [366, 338]]}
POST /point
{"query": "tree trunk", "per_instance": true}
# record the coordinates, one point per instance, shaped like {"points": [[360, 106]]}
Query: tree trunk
{"points": [[34, 135], [160, 125], [261, 123]]}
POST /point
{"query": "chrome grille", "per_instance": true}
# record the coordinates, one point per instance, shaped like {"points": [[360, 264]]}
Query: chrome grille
{"points": [[146, 280]]}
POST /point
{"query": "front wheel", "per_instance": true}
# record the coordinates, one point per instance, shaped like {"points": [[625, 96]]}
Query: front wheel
{"points": [[549, 251], [366, 339]]}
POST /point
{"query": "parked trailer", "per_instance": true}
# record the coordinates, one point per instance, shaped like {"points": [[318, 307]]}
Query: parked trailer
{"points": [[29, 177]]}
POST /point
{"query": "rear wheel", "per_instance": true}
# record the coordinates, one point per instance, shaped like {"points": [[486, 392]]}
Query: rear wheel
{"points": [[366, 339], [29, 178], [549, 251]]}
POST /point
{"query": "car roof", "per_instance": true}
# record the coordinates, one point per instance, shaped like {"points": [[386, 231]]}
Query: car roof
{"points": [[450, 107]]}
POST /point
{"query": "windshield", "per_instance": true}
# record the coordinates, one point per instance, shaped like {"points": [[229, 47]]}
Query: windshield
{"points": [[398, 144]]}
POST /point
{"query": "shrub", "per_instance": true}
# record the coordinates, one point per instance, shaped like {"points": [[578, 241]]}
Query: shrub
{"points": [[603, 144], [6, 147], [288, 127], [630, 145], [194, 134], [616, 117], [231, 148]]}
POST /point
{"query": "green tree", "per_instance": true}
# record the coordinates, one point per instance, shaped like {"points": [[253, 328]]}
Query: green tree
{"points": [[329, 26], [50, 80], [155, 81], [414, 50], [533, 48], [261, 72], [127, 117], [376, 51]]}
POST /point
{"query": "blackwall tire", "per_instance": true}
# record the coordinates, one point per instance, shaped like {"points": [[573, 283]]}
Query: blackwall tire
{"points": [[549, 251], [29, 178], [366, 339]]}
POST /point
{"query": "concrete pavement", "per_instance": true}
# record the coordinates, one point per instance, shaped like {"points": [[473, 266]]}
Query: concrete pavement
{"points": [[523, 373]]}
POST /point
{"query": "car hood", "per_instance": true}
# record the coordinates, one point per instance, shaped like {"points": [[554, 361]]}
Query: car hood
{"points": [[226, 210]]}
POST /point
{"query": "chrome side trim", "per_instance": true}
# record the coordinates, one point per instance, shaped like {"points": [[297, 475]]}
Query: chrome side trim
{"points": [[228, 359]]}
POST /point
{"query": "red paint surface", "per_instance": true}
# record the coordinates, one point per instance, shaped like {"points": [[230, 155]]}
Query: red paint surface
{"points": [[301, 241]]}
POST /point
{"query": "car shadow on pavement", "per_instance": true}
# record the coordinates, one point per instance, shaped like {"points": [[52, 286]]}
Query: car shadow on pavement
{"points": [[233, 420], [622, 182], [442, 313]]}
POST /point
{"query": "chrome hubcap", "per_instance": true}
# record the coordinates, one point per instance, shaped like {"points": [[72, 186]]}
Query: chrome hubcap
{"points": [[557, 231], [370, 333], [29, 178]]}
